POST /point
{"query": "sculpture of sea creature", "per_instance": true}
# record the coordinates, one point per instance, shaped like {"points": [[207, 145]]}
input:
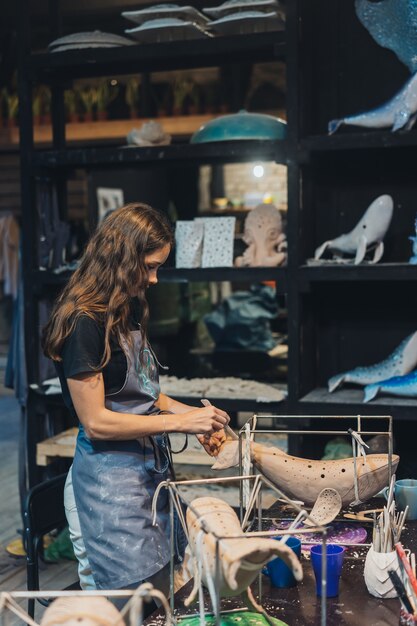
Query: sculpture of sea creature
{"points": [[413, 259], [240, 559], [267, 244], [368, 233], [399, 112], [400, 362], [304, 479], [395, 386], [392, 24]]}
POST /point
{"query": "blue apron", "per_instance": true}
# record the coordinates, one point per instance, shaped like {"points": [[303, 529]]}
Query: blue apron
{"points": [[114, 483]]}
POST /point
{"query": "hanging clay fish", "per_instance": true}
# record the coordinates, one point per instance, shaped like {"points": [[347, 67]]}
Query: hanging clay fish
{"points": [[240, 559], [400, 362], [399, 112], [369, 232], [304, 479], [395, 386]]}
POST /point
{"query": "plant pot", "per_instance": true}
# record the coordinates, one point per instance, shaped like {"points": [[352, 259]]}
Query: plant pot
{"points": [[37, 120], [134, 114], [46, 119], [162, 113], [102, 115], [88, 116], [376, 575], [74, 118], [193, 109]]}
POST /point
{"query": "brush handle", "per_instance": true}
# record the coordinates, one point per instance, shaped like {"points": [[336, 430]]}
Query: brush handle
{"points": [[402, 555], [400, 589]]}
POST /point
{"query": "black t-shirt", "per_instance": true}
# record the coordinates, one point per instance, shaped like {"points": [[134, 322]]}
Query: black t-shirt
{"points": [[83, 351]]}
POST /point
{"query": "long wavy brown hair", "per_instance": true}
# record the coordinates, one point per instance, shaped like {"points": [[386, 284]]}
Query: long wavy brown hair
{"points": [[111, 270]]}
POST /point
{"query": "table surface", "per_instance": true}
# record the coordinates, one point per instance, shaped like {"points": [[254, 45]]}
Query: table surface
{"points": [[299, 606]]}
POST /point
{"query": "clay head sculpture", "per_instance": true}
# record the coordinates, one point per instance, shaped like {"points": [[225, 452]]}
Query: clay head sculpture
{"points": [[267, 244]]}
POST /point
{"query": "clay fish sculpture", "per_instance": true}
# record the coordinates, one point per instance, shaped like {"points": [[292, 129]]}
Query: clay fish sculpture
{"points": [[241, 559], [399, 112], [368, 233], [400, 362], [413, 259], [395, 386], [304, 479]]}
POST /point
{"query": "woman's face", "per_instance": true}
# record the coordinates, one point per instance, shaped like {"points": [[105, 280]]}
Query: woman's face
{"points": [[154, 261]]}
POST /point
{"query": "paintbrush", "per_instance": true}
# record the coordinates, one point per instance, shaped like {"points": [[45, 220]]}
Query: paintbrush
{"points": [[404, 561], [401, 591]]}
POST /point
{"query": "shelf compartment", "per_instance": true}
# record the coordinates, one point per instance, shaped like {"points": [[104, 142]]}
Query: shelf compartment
{"points": [[216, 152], [366, 140], [350, 401], [155, 57], [238, 404], [378, 273]]}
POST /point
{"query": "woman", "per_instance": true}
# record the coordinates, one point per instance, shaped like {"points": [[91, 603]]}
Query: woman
{"points": [[109, 377]]}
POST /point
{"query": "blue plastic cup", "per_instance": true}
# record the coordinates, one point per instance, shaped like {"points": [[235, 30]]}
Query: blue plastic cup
{"points": [[334, 562], [278, 571]]}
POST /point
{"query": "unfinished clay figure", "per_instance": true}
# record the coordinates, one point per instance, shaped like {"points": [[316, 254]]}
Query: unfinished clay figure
{"points": [[303, 479], [240, 559], [79, 611], [267, 244]]}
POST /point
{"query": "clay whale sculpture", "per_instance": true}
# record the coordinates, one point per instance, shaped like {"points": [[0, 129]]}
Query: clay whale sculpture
{"points": [[395, 386], [399, 112], [240, 559], [400, 362], [368, 233], [304, 479]]}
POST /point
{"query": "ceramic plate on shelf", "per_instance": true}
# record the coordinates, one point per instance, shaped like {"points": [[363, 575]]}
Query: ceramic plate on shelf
{"points": [[236, 6], [167, 29], [189, 14], [93, 39], [247, 22]]}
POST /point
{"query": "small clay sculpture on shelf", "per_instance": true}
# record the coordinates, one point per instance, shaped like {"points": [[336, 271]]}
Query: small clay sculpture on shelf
{"points": [[267, 244]]}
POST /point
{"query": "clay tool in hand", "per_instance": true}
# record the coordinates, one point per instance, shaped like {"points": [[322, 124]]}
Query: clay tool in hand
{"points": [[227, 428]]}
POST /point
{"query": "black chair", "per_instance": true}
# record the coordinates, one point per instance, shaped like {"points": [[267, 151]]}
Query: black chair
{"points": [[43, 512]]}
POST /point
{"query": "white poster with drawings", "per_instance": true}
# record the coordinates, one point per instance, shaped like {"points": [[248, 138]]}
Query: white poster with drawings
{"points": [[108, 199]]}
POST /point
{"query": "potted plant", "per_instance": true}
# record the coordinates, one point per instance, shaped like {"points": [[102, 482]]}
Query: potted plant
{"points": [[12, 107], [181, 89], [72, 104], [132, 96], [193, 98], [37, 107], [106, 93], [88, 98], [210, 96]]}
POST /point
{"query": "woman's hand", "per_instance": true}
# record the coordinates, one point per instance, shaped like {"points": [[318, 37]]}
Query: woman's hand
{"points": [[213, 443], [204, 421]]}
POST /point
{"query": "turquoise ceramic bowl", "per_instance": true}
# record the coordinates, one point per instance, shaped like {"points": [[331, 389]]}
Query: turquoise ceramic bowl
{"points": [[242, 125]]}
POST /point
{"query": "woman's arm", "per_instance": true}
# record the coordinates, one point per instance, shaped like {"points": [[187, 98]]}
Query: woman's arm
{"points": [[165, 403], [87, 394]]}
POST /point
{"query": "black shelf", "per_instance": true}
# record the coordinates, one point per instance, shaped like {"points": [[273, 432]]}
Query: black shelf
{"points": [[238, 404], [348, 401], [215, 152], [353, 140], [154, 57], [381, 272]]}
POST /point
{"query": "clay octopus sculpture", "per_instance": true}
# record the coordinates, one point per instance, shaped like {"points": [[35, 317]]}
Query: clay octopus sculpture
{"points": [[240, 559], [267, 244]]}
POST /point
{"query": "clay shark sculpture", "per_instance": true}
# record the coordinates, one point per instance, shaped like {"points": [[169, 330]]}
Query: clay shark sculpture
{"points": [[304, 479], [399, 112], [241, 559], [400, 362], [368, 233], [395, 386]]}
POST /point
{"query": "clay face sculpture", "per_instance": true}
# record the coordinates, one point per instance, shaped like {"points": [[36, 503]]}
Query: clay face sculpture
{"points": [[240, 559], [400, 362], [79, 611], [303, 479], [368, 233], [267, 244]]}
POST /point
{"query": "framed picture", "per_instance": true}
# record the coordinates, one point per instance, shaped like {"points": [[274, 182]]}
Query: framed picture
{"points": [[108, 200]]}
